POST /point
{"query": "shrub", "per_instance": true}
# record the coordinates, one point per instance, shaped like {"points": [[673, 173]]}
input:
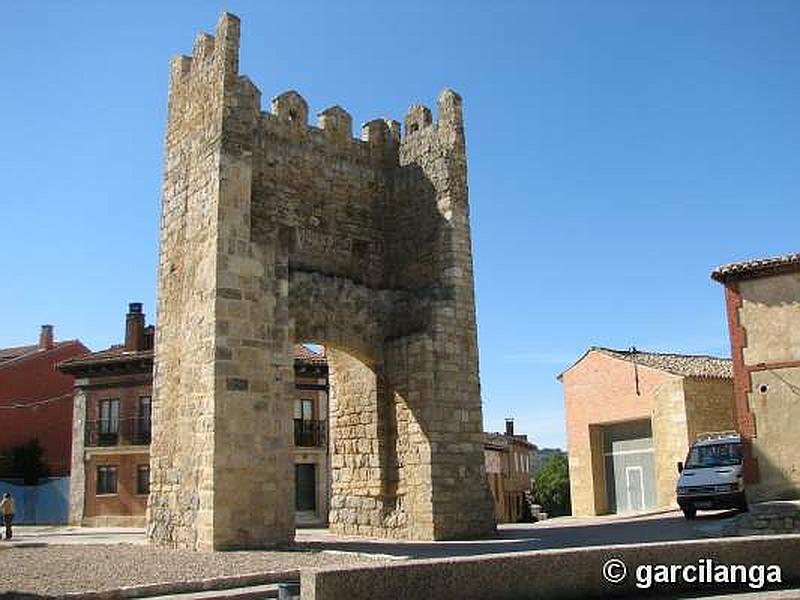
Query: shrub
{"points": [[551, 486]]}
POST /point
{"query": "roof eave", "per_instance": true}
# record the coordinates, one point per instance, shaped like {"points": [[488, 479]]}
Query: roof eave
{"points": [[756, 269]]}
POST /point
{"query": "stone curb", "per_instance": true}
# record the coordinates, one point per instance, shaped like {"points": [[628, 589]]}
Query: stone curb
{"points": [[199, 585], [553, 573]]}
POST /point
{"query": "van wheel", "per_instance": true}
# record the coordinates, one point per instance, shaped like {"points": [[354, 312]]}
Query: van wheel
{"points": [[690, 512], [742, 506]]}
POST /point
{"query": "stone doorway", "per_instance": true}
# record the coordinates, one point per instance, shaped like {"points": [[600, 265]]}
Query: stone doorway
{"points": [[273, 231]]}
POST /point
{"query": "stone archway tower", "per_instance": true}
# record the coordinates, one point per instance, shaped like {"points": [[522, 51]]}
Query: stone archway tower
{"points": [[273, 230]]}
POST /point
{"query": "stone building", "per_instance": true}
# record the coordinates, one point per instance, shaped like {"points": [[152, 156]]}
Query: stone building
{"points": [[763, 304], [36, 400], [112, 431], [508, 462], [273, 232], [631, 417]]}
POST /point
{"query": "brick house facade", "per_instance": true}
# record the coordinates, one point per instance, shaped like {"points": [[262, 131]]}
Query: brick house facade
{"points": [[631, 417], [37, 398], [112, 430], [508, 463]]}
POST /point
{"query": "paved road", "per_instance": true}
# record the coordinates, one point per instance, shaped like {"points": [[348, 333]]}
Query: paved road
{"points": [[38, 535], [555, 533], [552, 534]]}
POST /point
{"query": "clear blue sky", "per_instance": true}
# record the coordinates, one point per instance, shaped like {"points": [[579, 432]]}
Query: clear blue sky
{"points": [[618, 151]]}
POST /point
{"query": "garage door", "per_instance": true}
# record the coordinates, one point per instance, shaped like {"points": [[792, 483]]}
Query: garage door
{"points": [[630, 466]]}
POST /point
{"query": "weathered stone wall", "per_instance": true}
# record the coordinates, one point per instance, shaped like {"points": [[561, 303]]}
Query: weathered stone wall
{"points": [[358, 469], [709, 405], [776, 447], [77, 480], [684, 409], [275, 231], [182, 451], [222, 469], [769, 315], [766, 518], [670, 438], [443, 383]]}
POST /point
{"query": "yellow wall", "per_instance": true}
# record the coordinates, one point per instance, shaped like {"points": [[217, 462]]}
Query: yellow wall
{"points": [[670, 438], [770, 315]]}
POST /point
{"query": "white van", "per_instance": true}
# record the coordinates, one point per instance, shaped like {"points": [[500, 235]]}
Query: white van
{"points": [[712, 475]]}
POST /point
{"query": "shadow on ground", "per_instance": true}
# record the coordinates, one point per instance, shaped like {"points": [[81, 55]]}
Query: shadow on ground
{"points": [[537, 536]]}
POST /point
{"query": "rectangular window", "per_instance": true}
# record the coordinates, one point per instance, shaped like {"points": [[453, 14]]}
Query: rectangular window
{"points": [[106, 480], [144, 408], [109, 416], [108, 422], [143, 480], [304, 410], [143, 422]]}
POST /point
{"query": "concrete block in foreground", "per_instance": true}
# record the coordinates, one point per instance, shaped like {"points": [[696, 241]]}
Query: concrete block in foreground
{"points": [[555, 574]]}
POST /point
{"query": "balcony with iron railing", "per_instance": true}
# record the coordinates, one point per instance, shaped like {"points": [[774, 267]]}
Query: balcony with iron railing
{"points": [[133, 431], [309, 433], [136, 431]]}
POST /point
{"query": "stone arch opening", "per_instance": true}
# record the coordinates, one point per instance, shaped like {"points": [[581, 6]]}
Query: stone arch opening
{"points": [[375, 443], [379, 454]]}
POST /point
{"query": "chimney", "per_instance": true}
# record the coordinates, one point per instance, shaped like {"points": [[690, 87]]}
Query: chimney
{"points": [[134, 327], [510, 427], [46, 337]]}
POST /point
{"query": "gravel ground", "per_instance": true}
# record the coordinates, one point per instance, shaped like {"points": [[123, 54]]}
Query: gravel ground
{"points": [[56, 570]]}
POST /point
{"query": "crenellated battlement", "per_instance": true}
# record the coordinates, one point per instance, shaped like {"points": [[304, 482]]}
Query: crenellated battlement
{"points": [[217, 57], [219, 52], [337, 124]]}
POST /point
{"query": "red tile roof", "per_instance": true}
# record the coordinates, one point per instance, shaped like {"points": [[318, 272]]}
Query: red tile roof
{"points": [[118, 354], [685, 365], [16, 353], [759, 267], [688, 365], [304, 354], [497, 441]]}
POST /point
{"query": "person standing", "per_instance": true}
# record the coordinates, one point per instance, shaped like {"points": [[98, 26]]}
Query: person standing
{"points": [[7, 509]]}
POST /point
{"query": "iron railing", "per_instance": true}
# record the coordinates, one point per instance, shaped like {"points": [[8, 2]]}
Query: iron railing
{"points": [[134, 431], [309, 433]]}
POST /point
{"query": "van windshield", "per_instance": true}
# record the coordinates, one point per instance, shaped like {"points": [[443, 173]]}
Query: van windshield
{"points": [[714, 455]]}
